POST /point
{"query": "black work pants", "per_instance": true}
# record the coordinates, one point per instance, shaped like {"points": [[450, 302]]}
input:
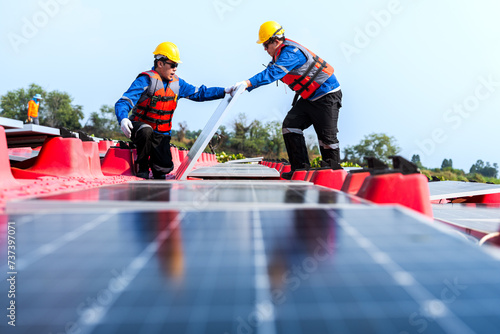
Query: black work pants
{"points": [[153, 149], [323, 114]]}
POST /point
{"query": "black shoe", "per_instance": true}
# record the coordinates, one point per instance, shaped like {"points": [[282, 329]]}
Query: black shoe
{"points": [[143, 175], [330, 164], [289, 175], [158, 176]]}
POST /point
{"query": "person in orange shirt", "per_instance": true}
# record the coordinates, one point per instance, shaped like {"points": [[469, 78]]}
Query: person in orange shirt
{"points": [[33, 106]]}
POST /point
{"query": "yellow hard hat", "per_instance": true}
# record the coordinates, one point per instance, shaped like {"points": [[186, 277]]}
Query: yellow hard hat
{"points": [[268, 30], [169, 50]]}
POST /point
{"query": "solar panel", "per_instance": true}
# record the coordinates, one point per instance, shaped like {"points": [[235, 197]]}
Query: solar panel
{"points": [[244, 161], [238, 165], [192, 195], [21, 156], [453, 189], [248, 257], [9, 123], [484, 219], [30, 135], [235, 171]]}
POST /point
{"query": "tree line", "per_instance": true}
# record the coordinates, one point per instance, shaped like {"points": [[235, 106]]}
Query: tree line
{"points": [[478, 172], [241, 136]]}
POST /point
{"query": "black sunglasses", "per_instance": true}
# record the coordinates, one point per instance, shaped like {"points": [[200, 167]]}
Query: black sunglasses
{"points": [[269, 41], [172, 65]]}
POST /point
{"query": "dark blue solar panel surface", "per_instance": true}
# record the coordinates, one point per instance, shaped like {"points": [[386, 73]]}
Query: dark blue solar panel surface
{"points": [[193, 195], [479, 217], [328, 265]]}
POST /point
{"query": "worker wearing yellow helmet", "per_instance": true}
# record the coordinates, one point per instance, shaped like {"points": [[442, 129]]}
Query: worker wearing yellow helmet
{"points": [[313, 81], [151, 101]]}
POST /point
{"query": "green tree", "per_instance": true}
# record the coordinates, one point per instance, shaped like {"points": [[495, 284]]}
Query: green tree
{"points": [[475, 168], [14, 104], [313, 148], [447, 163], [252, 138], [60, 112], [258, 137], [103, 123], [484, 169], [416, 160], [275, 143], [241, 128], [378, 145], [192, 134]]}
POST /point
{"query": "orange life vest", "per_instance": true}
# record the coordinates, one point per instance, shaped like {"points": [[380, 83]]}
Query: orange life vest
{"points": [[32, 109], [156, 105], [305, 79]]}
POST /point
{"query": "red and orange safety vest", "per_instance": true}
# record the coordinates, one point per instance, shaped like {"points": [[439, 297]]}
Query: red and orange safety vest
{"points": [[306, 79], [157, 104]]}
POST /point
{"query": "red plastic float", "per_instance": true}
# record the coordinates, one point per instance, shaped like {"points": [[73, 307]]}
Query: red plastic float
{"points": [[331, 178], [60, 157], [118, 161], [404, 185], [285, 169], [6, 178], [174, 151], [182, 154], [299, 175], [104, 145], [485, 199], [353, 181], [91, 150]]}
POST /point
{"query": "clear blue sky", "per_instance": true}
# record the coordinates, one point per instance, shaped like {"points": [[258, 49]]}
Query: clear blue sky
{"points": [[426, 72]]}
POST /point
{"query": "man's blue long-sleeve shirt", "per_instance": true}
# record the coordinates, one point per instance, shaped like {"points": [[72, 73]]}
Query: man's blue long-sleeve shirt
{"points": [[186, 90], [290, 58]]}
